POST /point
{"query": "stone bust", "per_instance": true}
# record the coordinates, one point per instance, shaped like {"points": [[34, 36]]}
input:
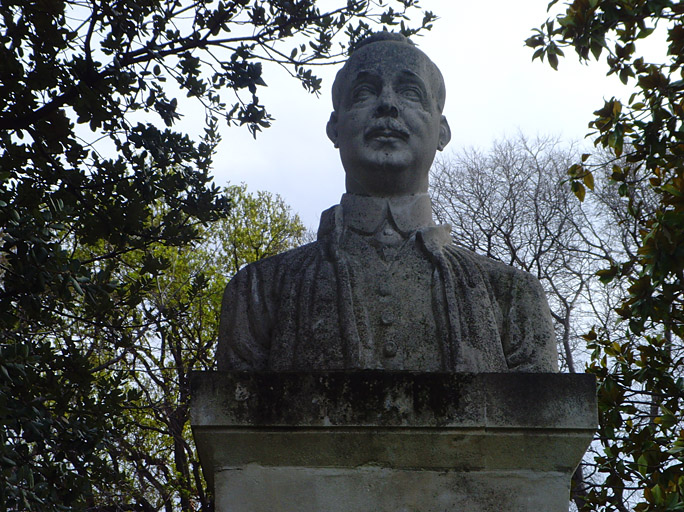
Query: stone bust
{"points": [[383, 287]]}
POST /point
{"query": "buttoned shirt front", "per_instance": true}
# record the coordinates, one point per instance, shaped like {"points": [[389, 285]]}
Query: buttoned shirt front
{"points": [[391, 281]]}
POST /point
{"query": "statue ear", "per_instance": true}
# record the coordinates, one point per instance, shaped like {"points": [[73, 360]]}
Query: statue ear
{"points": [[331, 128], [444, 133]]}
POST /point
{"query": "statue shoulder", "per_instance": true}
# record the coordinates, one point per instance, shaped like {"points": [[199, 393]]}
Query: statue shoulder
{"points": [[291, 259], [294, 259], [499, 274]]}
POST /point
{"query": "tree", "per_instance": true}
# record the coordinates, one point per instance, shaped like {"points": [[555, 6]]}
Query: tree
{"points": [[641, 384], [178, 335], [258, 226], [89, 178], [513, 203]]}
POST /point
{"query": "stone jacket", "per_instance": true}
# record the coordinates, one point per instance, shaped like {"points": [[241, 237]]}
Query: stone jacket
{"points": [[295, 311]]}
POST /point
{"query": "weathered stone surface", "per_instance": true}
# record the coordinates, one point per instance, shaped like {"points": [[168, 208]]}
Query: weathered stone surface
{"points": [[388, 441], [370, 489], [392, 399], [383, 287]]}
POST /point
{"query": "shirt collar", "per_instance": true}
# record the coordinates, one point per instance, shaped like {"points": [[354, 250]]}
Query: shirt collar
{"points": [[431, 236], [368, 214]]}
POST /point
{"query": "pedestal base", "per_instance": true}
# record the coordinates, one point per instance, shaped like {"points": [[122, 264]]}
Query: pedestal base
{"points": [[391, 442], [367, 489]]}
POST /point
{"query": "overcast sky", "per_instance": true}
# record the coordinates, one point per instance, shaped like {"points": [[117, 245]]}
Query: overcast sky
{"points": [[493, 90]]}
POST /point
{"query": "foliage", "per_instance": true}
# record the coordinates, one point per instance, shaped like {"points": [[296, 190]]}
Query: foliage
{"points": [[95, 177], [180, 313], [640, 375], [258, 226]]}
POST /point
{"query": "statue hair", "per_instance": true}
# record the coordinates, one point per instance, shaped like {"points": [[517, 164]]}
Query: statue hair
{"points": [[436, 78]]}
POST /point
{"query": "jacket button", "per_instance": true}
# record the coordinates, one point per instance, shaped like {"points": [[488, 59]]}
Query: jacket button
{"points": [[390, 349], [384, 289], [386, 318]]}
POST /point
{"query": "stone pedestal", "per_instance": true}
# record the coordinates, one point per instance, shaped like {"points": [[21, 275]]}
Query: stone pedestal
{"points": [[391, 442]]}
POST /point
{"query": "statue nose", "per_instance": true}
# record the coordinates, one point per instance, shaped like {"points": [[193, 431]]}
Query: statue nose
{"points": [[386, 107], [386, 110]]}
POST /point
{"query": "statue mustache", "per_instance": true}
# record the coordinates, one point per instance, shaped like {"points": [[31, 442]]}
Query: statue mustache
{"points": [[388, 127]]}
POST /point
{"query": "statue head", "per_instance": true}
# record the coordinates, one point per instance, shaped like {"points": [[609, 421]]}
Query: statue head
{"points": [[387, 120]]}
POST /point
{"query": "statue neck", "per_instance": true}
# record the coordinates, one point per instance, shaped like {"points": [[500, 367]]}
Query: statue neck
{"points": [[367, 214], [386, 183]]}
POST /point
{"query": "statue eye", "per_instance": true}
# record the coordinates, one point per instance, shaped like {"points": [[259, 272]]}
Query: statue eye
{"points": [[411, 93], [363, 92]]}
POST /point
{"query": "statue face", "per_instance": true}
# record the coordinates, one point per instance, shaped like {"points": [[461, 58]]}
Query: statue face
{"points": [[388, 125]]}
